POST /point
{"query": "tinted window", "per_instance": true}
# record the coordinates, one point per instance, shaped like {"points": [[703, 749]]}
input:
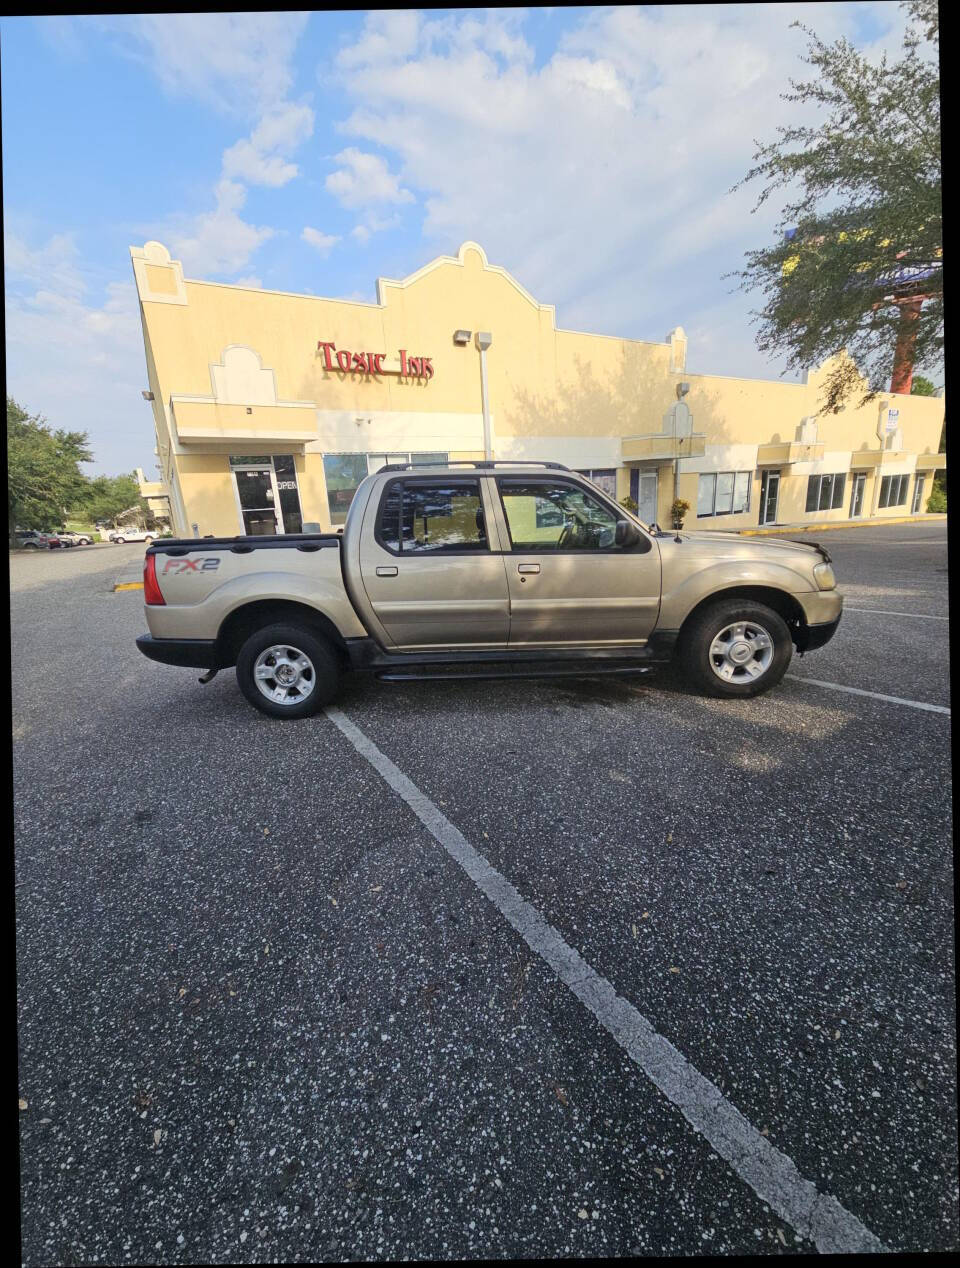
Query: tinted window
{"points": [[435, 515], [542, 516]]}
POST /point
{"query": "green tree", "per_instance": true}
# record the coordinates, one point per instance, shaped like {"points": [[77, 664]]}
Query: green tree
{"points": [[922, 386], [865, 205], [106, 497], [43, 469]]}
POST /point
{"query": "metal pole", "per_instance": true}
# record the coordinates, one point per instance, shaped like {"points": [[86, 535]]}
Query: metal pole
{"points": [[485, 402]]}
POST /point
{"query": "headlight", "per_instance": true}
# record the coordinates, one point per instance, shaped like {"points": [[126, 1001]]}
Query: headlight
{"points": [[824, 575]]}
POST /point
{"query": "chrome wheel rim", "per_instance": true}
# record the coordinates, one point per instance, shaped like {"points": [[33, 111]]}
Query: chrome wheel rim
{"points": [[284, 674], [741, 652]]}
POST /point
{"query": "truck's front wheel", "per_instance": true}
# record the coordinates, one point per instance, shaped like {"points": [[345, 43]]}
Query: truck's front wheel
{"points": [[287, 671], [735, 648]]}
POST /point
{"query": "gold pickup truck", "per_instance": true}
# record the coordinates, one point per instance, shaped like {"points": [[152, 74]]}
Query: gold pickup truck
{"points": [[484, 569]]}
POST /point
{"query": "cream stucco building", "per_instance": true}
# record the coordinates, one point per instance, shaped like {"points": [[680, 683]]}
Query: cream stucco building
{"points": [[269, 407]]}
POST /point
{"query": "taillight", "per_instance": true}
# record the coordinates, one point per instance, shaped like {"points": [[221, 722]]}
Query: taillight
{"points": [[151, 588]]}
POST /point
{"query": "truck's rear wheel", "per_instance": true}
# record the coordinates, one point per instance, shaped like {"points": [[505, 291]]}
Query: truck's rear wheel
{"points": [[735, 647], [287, 671]]}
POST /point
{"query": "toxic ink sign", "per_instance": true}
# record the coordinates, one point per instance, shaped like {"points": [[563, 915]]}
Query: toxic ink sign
{"points": [[374, 362]]}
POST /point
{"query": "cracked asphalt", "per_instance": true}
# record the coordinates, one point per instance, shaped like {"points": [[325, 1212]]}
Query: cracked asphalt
{"points": [[264, 1016]]}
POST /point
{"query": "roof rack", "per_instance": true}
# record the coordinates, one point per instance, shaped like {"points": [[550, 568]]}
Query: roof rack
{"points": [[482, 463]]}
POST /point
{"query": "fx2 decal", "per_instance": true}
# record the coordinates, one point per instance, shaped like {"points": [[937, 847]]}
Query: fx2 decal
{"points": [[191, 565]]}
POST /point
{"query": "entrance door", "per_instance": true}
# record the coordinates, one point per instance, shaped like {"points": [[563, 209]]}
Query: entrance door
{"points": [[856, 497], [769, 495], [917, 495], [643, 490], [570, 584], [257, 494]]}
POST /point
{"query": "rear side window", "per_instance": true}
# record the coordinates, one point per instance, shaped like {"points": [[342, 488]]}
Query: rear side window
{"points": [[432, 516]]}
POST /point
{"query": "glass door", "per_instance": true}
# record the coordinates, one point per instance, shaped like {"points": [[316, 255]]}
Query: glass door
{"points": [[769, 495], [856, 497], [643, 490], [917, 495], [257, 495]]}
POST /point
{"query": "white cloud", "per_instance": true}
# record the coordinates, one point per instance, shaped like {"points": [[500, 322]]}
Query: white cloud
{"points": [[365, 178], [78, 362], [237, 62], [217, 241], [598, 177], [322, 241], [252, 281], [371, 224], [54, 266], [261, 159]]}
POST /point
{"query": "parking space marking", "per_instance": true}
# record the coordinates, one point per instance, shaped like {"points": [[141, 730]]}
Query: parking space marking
{"points": [[920, 616], [873, 695], [771, 1174]]}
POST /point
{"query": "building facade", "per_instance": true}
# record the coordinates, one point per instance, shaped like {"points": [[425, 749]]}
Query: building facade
{"points": [[270, 408]]}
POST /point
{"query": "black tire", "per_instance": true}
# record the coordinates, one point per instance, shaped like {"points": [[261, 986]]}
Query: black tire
{"points": [[148, 539], [323, 660], [696, 639], [119, 541]]}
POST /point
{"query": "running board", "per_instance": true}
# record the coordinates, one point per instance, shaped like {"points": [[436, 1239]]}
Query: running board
{"points": [[587, 670]]}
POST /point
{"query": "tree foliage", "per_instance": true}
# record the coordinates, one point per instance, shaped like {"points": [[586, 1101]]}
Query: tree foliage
{"points": [[922, 386], [43, 469], [106, 497], [864, 200]]}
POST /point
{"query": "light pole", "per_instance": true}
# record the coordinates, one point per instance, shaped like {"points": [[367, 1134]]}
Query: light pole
{"points": [[484, 340], [682, 390]]}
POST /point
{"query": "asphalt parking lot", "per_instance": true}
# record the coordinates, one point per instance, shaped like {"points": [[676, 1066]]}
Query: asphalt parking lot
{"points": [[265, 1013]]}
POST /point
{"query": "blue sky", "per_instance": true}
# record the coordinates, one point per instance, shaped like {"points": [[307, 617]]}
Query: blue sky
{"points": [[589, 150]]}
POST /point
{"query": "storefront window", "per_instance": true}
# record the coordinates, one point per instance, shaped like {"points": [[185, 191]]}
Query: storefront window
{"points": [[726, 493], [604, 478], [825, 492], [343, 473], [893, 490]]}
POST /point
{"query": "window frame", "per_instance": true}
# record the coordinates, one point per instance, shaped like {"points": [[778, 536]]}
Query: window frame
{"points": [[641, 547], [465, 479]]}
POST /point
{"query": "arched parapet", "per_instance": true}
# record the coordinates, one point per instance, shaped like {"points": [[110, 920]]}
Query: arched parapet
{"points": [[159, 279]]}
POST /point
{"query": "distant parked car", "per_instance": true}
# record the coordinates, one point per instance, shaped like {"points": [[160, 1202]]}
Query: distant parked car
{"points": [[70, 538], [121, 535], [31, 539]]}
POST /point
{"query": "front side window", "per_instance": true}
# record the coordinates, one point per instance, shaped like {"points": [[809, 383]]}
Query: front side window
{"points": [[418, 517], [543, 515]]}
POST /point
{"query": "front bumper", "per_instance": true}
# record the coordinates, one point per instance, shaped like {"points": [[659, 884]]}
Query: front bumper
{"points": [[189, 653], [816, 635]]}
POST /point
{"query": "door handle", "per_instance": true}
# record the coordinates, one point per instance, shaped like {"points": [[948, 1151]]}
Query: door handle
{"points": [[528, 567], [386, 570]]}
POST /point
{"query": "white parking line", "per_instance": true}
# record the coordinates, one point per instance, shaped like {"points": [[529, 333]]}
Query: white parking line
{"points": [[874, 695], [920, 616], [770, 1173]]}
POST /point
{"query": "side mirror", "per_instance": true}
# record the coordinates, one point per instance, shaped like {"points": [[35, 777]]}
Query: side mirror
{"points": [[626, 534]]}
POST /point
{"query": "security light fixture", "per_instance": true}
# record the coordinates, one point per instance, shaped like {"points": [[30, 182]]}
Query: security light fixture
{"points": [[682, 389], [147, 396], [461, 337], [484, 340]]}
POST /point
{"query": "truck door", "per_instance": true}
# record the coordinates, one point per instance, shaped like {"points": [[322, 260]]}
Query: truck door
{"points": [[570, 584], [431, 565]]}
